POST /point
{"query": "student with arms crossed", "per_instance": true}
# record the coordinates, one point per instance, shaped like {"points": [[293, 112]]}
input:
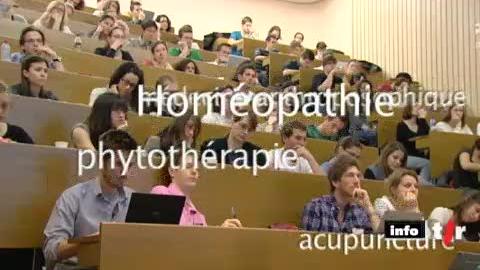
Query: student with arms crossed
{"points": [[466, 168], [81, 208], [294, 137], [347, 208], [180, 179]]}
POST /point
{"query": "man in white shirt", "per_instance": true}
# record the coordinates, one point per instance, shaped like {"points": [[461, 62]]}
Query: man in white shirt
{"points": [[294, 137]]}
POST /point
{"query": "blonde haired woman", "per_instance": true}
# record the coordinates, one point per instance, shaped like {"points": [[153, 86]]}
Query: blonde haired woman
{"points": [[402, 188], [55, 17]]}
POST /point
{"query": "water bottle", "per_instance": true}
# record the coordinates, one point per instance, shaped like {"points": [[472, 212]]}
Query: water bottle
{"points": [[432, 122], [77, 43], [5, 51]]}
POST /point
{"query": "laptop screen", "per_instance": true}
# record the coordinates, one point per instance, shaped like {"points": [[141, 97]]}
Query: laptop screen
{"points": [[154, 208]]}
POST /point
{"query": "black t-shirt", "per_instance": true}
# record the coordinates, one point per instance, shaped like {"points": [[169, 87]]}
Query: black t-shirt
{"points": [[17, 134], [404, 134], [464, 178], [221, 144]]}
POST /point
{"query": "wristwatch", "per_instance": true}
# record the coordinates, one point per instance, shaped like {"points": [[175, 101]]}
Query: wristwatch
{"points": [[58, 59]]}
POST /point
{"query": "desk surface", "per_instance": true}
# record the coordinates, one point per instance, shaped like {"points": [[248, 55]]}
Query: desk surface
{"points": [[143, 246]]}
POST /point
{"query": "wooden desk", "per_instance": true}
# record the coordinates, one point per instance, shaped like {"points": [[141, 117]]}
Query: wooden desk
{"points": [[271, 197], [277, 61], [136, 246]]}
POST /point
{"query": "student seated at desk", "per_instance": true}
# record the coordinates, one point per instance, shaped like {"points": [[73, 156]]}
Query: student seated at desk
{"points": [[271, 124], [9, 132], [125, 81], [353, 67], [359, 125], [293, 66], [34, 74], [223, 55], [81, 208], [108, 112], [246, 74], [55, 17], [188, 66], [159, 56], [164, 23], [465, 213], [104, 27], [185, 128], [299, 37], [402, 186], [169, 86], [320, 50], [392, 157], [149, 36], [466, 168], [113, 45], [217, 116], [454, 121], [414, 124], [275, 31], [136, 14], [186, 47], [347, 208], [345, 146], [294, 137], [109, 7], [296, 48], [260, 55], [180, 179], [329, 129], [77, 4], [327, 79], [236, 37], [32, 42], [236, 140]]}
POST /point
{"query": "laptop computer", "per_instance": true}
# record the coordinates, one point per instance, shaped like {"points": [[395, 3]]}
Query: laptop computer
{"points": [[154, 208], [466, 261]]}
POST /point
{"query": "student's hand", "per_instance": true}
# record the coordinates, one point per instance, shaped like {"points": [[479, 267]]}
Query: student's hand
{"points": [[409, 200], [272, 120], [117, 44], [361, 197], [123, 126], [47, 52], [232, 223], [141, 16], [303, 152], [422, 113]]}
